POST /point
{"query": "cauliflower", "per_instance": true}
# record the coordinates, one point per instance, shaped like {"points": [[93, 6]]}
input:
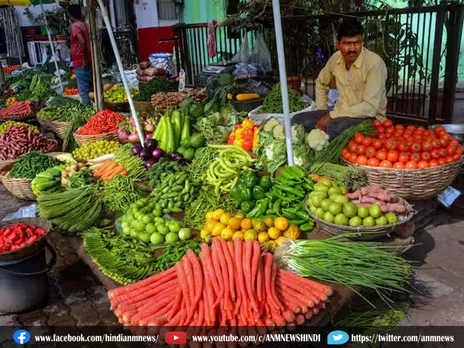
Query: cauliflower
{"points": [[279, 132], [270, 124], [298, 134], [317, 139]]}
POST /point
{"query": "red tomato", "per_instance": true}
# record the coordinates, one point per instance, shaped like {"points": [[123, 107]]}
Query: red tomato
{"points": [[392, 156], [360, 149], [410, 129], [398, 133], [345, 151], [247, 134], [434, 163], [411, 165], [352, 145], [436, 153], [380, 129], [389, 131], [346, 155], [454, 142], [353, 158], [420, 130], [445, 140], [441, 161], [415, 157], [399, 127], [407, 136], [443, 153], [426, 156], [449, 159], [231, 140], [387, 123], [417, 136], [367, 141], [440, 130], [373, 162], [377, 123], [416, 147], [382, 136], [362, 160], [427, 146], [428, 134], [423, 164], [358, 138], [436, 143], [390, 144], [370, 151], [404, 146], [404, 157], [451, 149], [459, 150], [248, 145], [386, 164], [457, 157], [398, 165], [378, 144], [381, 155]]}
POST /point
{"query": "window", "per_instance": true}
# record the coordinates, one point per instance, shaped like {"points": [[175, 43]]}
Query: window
{"points": [[166, 10]]}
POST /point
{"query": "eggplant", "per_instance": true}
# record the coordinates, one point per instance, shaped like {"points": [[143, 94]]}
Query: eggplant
{"points": [[146, 154], [158, 153], [151, 144], [136, 150], [149, 163], [175, 156]]}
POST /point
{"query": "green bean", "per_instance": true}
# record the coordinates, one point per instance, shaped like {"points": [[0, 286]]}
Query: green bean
{"points": [[32, 164], [120, 192], [200, 164]]}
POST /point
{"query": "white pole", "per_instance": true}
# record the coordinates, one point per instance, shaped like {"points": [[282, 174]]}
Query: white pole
{"points": [[121, 70], [283, 78], [53, 47]]}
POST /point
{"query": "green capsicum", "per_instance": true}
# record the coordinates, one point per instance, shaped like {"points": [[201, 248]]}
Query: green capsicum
{"points": [[265, 182], [247, 206], [259, 209], [240, 193], [258, 193], [249, 179]]}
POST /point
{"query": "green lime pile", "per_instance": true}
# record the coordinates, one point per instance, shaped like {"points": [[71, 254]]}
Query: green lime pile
{"points": [[329, 202], [50, 113], [144, 221], [5, 126], [95, 149]]}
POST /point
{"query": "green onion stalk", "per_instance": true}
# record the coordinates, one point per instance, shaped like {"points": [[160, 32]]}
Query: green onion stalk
{"points": [[362, 264]]}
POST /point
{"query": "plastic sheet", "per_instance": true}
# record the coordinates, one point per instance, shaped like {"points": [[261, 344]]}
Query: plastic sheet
{"points": [[29, 211]]}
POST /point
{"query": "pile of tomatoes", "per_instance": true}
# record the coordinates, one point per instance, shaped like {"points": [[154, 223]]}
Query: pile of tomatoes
{"points": [[403, 147]]}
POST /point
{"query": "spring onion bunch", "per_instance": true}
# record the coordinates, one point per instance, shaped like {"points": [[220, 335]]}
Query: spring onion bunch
{"points": [[364, 264]]}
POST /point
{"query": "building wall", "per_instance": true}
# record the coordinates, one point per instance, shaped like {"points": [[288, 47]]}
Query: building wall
{"points": [[24, 21]]}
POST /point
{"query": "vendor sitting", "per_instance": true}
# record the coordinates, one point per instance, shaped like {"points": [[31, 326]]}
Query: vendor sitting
{"points": [[359, 76]]}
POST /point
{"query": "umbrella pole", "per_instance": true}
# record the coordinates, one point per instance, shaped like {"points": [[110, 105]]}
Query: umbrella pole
{"points": [[52, 46], [121, 70], [283, 78], [97, 77]]}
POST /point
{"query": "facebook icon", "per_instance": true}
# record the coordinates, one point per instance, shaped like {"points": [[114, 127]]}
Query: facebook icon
{"points": [[21, 336]]}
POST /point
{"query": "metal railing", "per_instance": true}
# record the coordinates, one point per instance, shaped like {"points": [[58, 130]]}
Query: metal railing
{"points": [[420, 46]]}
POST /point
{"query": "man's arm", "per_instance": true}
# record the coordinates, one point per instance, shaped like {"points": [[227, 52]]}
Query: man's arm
{"points": [[373, 96], [323, 87]]}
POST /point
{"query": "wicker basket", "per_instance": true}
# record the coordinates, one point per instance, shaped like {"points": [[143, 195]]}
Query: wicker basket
{"points": [[20, 188], [142, 106], [117, 107], [6, 163], [417, 184], [59, 128], [81, 139], [363, 233], [45, 123]]}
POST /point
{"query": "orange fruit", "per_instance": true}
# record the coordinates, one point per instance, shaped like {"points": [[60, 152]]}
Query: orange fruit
{"points": [[274, 233], [238, 234], [281, 223], [227, 233], [217, 230], [246, 224], [225, 218], [268, 221], [235, 223], [218, 213], [263, 237]]}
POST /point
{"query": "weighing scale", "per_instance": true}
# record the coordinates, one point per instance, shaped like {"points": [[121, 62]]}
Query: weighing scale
{"points": [[210, 70]]}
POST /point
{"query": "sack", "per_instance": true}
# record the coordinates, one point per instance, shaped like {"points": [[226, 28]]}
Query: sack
{"points": [[260, 55], [254, 63]]}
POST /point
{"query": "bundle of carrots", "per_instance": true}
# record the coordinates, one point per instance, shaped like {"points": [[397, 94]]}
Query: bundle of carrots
{"points": [[232, 285], [109, 169]]}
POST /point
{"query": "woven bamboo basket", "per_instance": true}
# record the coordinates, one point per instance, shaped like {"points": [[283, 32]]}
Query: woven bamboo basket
{"points": [[45, 123], [142, 106], [364, 233], [416, 184], [81, 139], [59, 128], [20, 188], [6, 163]]}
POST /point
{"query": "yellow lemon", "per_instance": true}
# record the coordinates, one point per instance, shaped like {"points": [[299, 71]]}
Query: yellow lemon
{"points": [[235, 223], [269, 221], [246, 224], [217, 230], [280, 240], [205, 234], [209, 215], [227, 233], [240, 216], [281, 223], [263, 237], [209, 226], [225, 218], [238, 234], [274, 233], [250, 235], [218, 213]]}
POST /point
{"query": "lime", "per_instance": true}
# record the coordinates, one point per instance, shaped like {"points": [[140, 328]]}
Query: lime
{"points": [[375, 211], [369, 221], [341, 219], [172, 237], [312, 209], [150, 228], [164, 230], [329, 217], [159, 207], [144, 237], [335, 208], [133, 233], [339, 198], [174, 226], [350, 209], [355, 221], [391, 218], [320, 188], [381, 221], [325, 204], [335, 190], [159, 219], [316, 201], [139, 215], [126, 230], [139, 226], [185, 234], [363, 212], [147, 219], [157, 213], [320, 213], [189, 154], [156, 238], [326, 183]]}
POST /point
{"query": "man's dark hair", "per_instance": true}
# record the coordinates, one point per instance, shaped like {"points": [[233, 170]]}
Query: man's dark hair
{"points": [[349, 28], [75, 11]]}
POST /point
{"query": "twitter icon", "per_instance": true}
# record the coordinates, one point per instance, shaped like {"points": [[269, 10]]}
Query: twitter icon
{"points": [[337, 337]]}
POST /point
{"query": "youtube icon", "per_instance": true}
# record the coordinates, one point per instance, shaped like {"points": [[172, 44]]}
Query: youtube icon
{"points": [[176, 337]]}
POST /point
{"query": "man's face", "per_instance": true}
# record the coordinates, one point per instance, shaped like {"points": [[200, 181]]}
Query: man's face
{"points": [[350, 47]]}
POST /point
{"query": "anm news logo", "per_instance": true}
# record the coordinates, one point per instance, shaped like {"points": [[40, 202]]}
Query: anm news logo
{"points": [[21, 336]]}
